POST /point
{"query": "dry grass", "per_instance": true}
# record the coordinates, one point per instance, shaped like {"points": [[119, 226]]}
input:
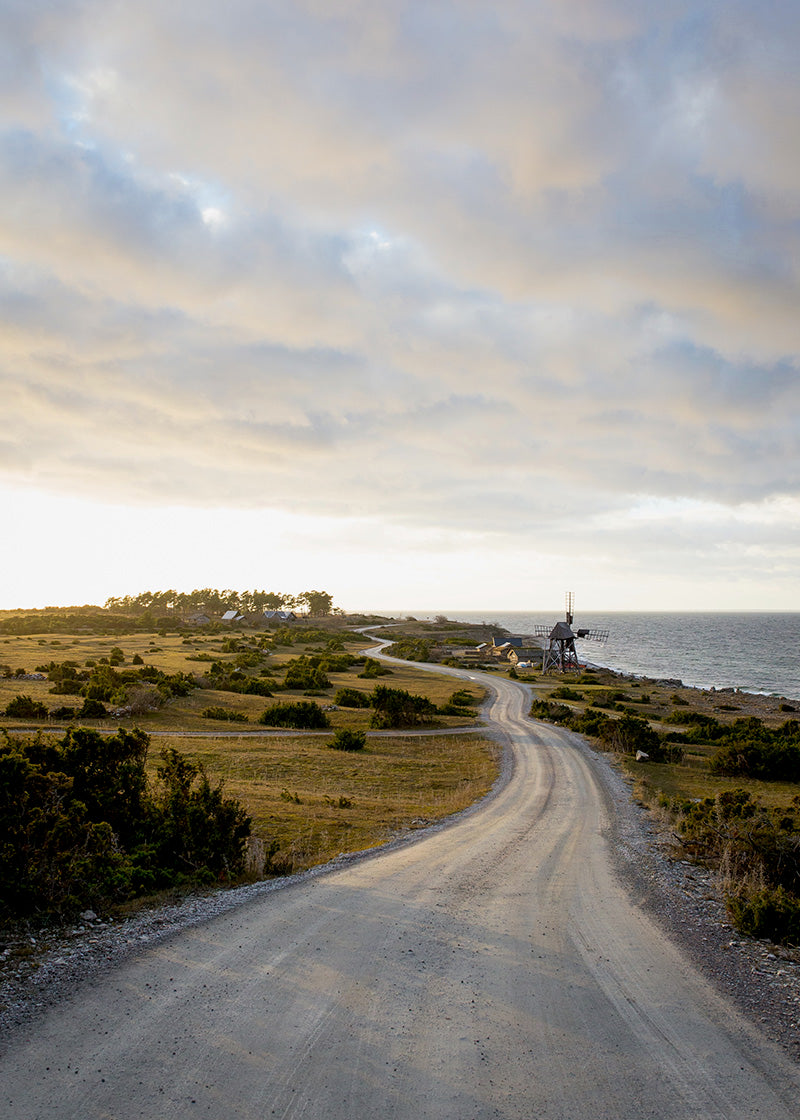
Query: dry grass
{"points": [[682, 782], [312, 801], [175, 653], [317, 802]]}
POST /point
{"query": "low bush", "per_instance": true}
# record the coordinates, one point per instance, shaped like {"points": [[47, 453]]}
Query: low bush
{"points": [[458, 704], [411, 649], [395, 707], [770, 912], [304, 715], [628, 734], [218, 712], [300, 674], [564, 692], [92, 709], [757, 851], [769, 762], [25, 707], [373, 669], [751, 750], [348, 740], [352, 698], [553, 713]]}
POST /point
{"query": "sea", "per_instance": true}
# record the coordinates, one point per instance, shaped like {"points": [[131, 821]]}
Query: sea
{"points": [[753, 651]]}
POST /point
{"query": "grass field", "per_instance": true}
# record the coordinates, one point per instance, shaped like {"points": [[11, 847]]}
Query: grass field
{"points": [[691, 781], [316, 802], [177, 653], [308, 801]]}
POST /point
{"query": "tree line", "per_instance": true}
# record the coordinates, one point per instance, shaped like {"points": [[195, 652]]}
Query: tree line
{"points": [[210, 601]]}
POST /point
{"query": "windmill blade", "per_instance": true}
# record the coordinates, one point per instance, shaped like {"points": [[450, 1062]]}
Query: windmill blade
{"points": [[593, 634], [541, 631]]}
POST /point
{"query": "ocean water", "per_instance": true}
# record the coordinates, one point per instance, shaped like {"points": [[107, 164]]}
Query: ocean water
{"points": [[754, 651]]}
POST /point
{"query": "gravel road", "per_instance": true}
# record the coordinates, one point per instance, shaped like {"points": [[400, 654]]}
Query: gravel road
{"points": [[496, 967]]}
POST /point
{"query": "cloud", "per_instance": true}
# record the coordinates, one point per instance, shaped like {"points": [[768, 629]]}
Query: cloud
{"points": [[475, 267]]}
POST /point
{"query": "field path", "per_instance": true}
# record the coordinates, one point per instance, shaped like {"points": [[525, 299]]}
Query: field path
{"points": [[493, 969]]}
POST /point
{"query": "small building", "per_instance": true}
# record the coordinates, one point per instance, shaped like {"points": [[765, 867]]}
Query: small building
{"points": [[232, 616], [525, 656], [280, 616], [501, 650]]}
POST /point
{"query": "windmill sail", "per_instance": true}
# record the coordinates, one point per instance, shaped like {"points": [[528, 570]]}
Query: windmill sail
{"points": [[560, 654]]}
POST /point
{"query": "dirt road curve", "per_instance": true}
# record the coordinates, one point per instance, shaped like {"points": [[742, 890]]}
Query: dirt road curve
{"points": [[494, 969]]}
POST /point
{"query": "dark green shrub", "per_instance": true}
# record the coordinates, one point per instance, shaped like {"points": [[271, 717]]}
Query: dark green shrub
{"points": [[336, 663], [632, 733], [411, 649], [755, 844], [81, 825], [301, 674], [373, 669], [67, 686], [348, 740], [25, 707], [564, 692], [200, 829], [218, 712], [769, 762], [302, 714], [771, 912], [351, 698], [395, 707], [92, 709], [554, 713], [749, 749], [592, 722], [256, 688]]}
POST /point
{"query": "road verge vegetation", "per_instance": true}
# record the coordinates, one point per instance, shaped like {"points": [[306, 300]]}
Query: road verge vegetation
{"points": [[725, 783], [83, 825]]}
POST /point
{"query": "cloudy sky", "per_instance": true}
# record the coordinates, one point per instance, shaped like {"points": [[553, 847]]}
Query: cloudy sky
{"points": [[435, 304]]}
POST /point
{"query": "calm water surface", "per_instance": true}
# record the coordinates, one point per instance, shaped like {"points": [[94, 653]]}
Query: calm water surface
{"points": [[754, 651]]}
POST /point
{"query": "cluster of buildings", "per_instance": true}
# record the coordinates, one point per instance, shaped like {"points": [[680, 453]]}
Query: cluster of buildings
{"points": [[517, 650], [250, 618]]}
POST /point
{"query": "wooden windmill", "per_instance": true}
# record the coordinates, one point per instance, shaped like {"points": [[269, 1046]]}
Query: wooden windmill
{"points": [[560, 655]]}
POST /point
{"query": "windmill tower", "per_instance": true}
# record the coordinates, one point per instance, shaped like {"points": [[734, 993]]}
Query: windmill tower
{"points": [[560, 656]]}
